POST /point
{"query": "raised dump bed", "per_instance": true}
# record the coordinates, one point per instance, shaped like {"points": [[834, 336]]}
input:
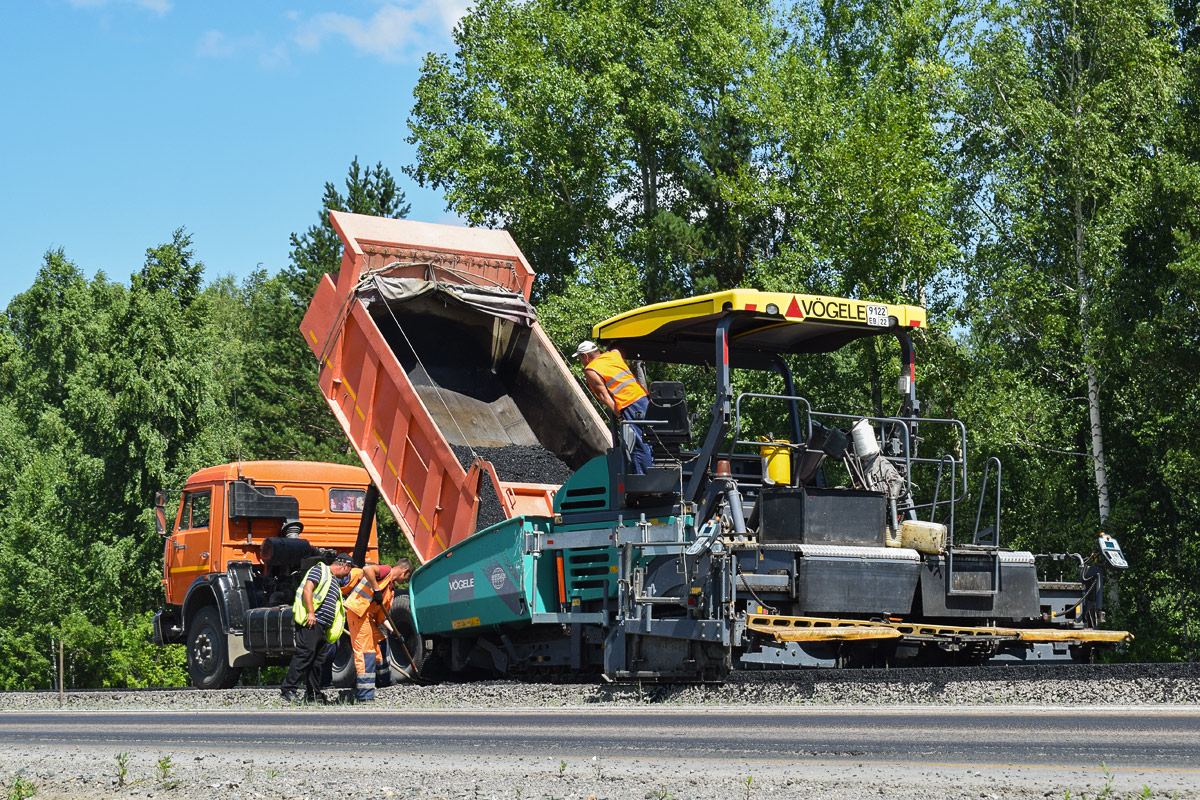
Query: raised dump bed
{"points": [[431, 356]]}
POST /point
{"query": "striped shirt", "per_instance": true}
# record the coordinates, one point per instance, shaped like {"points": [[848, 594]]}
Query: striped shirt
{"points": [[328, 607]]}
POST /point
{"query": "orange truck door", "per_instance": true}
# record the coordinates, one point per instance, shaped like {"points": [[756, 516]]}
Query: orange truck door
{"points": [[189, 551]]}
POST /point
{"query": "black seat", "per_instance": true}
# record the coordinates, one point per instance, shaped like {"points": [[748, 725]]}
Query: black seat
{"points": [[669, 414]]}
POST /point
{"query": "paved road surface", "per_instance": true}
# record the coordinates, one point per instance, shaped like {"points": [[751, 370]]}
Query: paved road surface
{"points": [[1068, 738], [1159, 746]]}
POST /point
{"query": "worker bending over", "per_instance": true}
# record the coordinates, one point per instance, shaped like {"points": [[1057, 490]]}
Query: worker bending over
{"points": [[613, 383], [320, 618], [368, 594]]}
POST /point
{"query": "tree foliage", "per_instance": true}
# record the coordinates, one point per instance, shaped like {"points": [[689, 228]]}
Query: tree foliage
{"points": [[1069, 126], [108, 395], [281, 413], [1029, 170], [601, 130], [110, 392]]}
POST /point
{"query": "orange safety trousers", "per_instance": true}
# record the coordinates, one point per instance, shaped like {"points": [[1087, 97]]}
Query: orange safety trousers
{"points": [[365, 635]]}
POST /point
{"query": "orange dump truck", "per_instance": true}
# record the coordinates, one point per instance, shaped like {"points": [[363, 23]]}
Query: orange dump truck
{"points": [[435, 366], [432, 359], [240, 539]]}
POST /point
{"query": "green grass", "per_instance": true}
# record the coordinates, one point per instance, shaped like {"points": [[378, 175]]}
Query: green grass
{"points": [[20, 788]]}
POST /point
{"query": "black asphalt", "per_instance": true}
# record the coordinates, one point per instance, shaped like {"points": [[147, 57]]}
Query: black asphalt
{"points": [[517, 463], [1052, 738]]}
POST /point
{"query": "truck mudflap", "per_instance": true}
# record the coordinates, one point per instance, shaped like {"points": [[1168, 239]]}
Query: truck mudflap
{"points": [[166, 627]]}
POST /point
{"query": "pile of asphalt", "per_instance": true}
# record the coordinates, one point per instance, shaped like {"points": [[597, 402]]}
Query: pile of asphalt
{"points": [[517, 463], [1041, 685]]}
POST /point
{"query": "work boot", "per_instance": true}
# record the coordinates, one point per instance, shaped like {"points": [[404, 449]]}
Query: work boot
{"points": [[318, 699], [289, 697]]}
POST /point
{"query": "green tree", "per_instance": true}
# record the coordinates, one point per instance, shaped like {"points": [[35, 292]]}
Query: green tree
{"points": [[598, 131], [281, 413], [108, 395], [1067, 109], [318, 250], [860, 175], [1075, 130]]}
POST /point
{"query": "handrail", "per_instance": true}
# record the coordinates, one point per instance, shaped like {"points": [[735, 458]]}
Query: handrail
{"points": [[737, 415], [937, 488], [906, 461], [982, 492]]}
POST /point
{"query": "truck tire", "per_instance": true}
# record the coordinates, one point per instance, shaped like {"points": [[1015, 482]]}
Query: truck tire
{"points": [[409, 660], [208, 651], [342, 672]]}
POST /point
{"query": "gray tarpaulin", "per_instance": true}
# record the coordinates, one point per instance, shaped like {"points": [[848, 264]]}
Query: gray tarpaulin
{"points": [[378, 290]]}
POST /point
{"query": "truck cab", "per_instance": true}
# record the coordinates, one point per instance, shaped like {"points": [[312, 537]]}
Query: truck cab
{"points": [[239, 541]]}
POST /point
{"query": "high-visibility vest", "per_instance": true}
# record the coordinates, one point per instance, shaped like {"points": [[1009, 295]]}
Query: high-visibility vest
{"points": [[358, 594], [300, 613], [618, 379]]}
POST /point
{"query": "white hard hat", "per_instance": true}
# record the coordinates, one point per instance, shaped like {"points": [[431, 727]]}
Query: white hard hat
{"points": [[585, 347]]}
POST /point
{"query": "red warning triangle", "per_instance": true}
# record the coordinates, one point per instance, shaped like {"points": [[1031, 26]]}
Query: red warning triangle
{"points": [[794, 310]]}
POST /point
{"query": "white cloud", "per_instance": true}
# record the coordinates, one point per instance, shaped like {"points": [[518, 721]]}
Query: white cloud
{"points": [[275, 56], [449, 12], [159, 7], [215, 44], [395, 33]]}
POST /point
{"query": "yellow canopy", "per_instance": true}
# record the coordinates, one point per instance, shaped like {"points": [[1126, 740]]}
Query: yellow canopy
{"points": [[763, 325]]}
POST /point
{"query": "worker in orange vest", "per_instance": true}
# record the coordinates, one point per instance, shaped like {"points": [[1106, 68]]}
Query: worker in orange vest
{"points": [[367, 594], [614, 385]]}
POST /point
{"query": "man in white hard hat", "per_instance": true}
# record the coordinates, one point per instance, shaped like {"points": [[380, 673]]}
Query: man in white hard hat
{"points": [[613, 384]]}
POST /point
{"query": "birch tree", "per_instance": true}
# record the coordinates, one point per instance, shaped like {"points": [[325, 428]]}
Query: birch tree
{"points": [[1064, 121]]}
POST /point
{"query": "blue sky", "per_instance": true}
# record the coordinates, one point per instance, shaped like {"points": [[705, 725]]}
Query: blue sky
{"points": [[127, 119]]}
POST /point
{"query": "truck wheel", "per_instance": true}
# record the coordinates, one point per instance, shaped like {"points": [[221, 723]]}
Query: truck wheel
{"points": [[408, 658], [342, 673], [208, 652]]}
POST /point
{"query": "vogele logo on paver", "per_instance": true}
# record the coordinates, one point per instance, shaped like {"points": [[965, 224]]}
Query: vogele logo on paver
{"points": [[462, 586]]}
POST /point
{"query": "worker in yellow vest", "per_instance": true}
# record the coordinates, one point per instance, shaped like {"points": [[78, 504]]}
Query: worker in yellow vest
{"points": [[614, 385], [319, 617], [368, 592]]}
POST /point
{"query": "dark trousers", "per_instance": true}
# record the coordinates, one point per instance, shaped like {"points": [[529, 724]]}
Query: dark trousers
{"points": [[306, 663], [641, 458]]}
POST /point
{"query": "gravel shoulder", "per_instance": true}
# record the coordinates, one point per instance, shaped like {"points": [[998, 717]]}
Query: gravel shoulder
{"points": [[1043, 685], [93, 772], [235, 776]]}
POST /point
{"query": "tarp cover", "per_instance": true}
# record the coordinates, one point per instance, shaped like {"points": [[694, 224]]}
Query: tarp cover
{"points": [[379, 290]]}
